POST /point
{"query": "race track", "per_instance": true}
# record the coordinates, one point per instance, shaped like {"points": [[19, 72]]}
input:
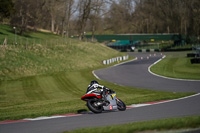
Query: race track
{"points": [[134, 74]]}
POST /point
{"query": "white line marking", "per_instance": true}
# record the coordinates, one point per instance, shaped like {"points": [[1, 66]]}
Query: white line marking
{"points": [[149, 69], [161, 102], [95, 75], [137, 105], [43, 118], [182, 98], [177, 99], [51, 117]]}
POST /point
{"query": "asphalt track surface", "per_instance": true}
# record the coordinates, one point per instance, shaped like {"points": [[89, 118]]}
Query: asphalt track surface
{"points": [[136, 74], [178, 108]]}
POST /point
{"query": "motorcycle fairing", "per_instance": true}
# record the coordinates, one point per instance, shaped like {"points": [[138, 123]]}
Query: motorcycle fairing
{"points": [[113, 104], [89, 96]]}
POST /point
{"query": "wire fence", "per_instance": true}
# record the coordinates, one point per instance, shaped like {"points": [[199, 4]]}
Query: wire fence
{"points": [[26, 43]]}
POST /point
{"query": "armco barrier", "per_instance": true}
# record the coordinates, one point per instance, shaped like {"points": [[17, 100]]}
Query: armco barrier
{"points": [[116, 59]]}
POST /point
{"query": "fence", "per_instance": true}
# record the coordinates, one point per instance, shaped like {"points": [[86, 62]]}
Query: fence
{"points": [[26, 43], [141, 37]]}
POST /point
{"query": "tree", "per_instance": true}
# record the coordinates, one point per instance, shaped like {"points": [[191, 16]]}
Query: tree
{"points": [[120, 16], [51, 6], [97, 12], [22, 15], [84, 12], [70, 10], [6, 9], [26, 14]]}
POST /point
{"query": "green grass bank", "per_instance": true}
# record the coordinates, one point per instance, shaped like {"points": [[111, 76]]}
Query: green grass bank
{"points": [[177, 65]]}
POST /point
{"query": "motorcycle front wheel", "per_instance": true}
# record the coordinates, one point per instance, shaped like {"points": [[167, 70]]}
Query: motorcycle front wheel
{"points": [[93, 106], [120, 105]]}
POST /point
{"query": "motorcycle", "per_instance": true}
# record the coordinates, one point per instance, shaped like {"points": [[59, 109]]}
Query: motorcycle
{"points": [[96, 104]]}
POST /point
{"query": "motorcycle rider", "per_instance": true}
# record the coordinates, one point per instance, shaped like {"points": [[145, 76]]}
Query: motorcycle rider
{"points": [[93, 87]]}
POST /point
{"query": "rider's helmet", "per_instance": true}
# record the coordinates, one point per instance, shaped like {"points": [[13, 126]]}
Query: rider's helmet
{"points": [[93, 82], [91, 87]]}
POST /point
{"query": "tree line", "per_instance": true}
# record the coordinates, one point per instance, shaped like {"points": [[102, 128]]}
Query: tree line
{"points": [[77, 17]]}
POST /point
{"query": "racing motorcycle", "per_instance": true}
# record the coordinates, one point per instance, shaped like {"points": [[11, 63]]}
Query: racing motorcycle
{"points": [[96, 104]]}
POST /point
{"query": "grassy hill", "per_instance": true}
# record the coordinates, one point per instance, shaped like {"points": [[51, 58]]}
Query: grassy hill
{"points": [[44, 53], [45, 74]]}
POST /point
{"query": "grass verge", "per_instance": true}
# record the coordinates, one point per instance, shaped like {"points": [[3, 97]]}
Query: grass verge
{"points": [[147, 126], [177, 65], [60, 94], [49, 78]]}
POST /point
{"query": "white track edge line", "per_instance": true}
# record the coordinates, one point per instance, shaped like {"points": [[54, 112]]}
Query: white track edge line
{"points": [[43, 118], [178, 99], [143, 105], [95, 75], [50, 117]]}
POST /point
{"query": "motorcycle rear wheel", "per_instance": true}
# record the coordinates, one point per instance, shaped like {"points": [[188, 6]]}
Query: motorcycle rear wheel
{"points": [[92, 105], [121, 105]]}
